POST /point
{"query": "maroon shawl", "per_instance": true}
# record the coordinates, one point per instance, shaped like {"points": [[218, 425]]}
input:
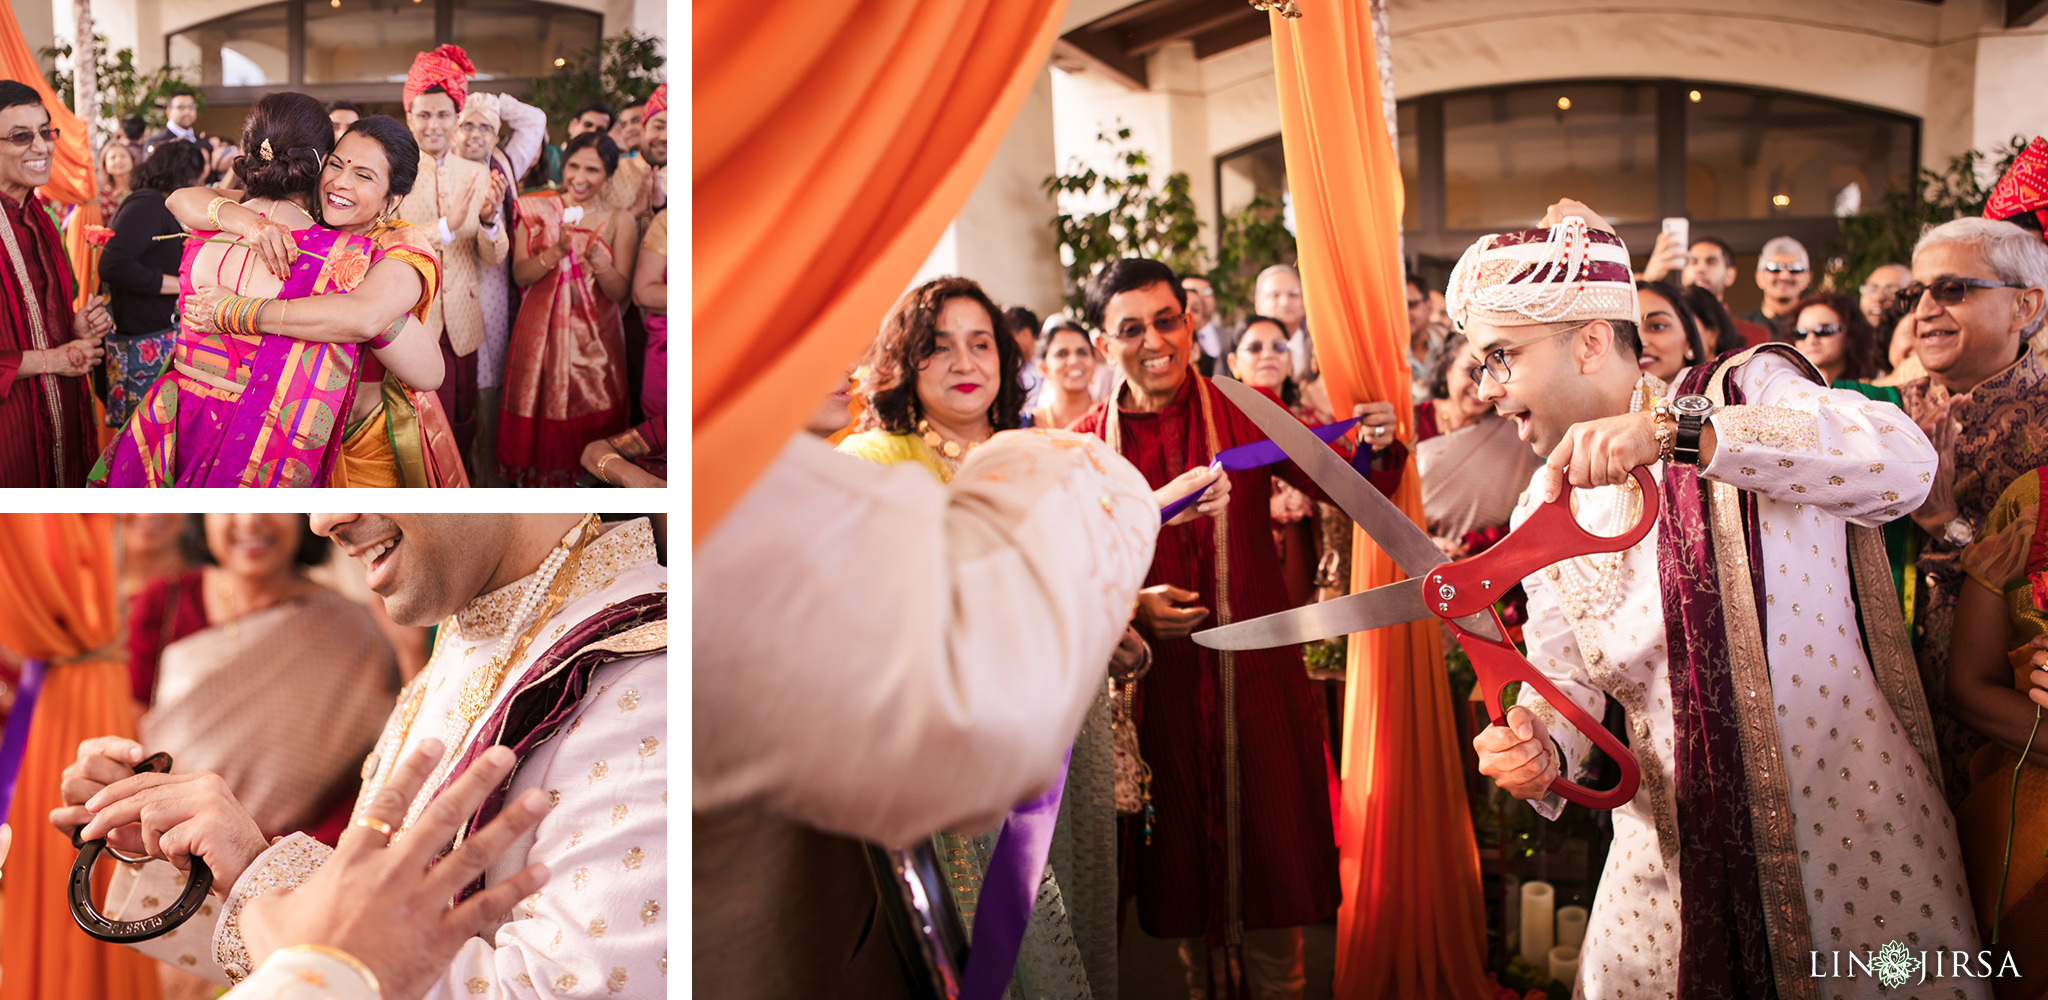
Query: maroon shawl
{"points": [[46, 422]]}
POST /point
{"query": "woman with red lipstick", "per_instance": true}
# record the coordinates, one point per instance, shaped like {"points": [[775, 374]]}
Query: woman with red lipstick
{"points": [[565, 369], [945, 379]]}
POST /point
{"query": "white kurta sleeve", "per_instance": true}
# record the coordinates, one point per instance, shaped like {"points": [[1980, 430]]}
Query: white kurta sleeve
{"points": [[881, 656], [529, 128], [303, 974], [138, 891], [1853, 457]]}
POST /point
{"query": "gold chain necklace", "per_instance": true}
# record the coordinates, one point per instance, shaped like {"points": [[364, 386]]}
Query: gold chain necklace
{"points": [[557, 575], [953, 450]]}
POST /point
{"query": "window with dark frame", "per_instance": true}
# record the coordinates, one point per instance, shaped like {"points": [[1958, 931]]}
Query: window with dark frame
{"points": [[1742, 163]]}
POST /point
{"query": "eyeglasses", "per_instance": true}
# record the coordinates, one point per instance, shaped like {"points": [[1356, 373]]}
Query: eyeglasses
{"points": [[1824, 330], [1496, 361], [1260, 347], [473, 127], [1785, 268], [23, 137], [1880, 289], [1135, 328], [1948, 291]]}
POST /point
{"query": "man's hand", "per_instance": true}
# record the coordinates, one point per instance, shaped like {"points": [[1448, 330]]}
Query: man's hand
{"points": [[1452, 548], [1600, 453], [388, 905], [1519, 756], [1213, 503], [1942, 428], [1160, 613], [92, 322], [1376, 423], [1566, 207], [1666, 258], [488, 212], [171, 817]]}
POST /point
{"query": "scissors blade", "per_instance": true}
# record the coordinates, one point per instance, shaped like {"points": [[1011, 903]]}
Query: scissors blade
{"points": [[1376, 608], [1412, 550]]}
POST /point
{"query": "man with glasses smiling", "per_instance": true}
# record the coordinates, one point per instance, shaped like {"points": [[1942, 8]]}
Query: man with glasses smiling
{"points": [[1977, 297], [1788, 800], [1784, 272], [1241, 852], [46, 348]]}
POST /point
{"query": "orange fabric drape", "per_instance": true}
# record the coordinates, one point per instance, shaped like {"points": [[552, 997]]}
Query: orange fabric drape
{"points": [[71, 177], [833, 142], [1413, 921], [57, 604]]}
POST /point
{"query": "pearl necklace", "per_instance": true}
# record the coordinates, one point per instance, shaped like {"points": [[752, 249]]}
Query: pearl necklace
{"points": [[537, 605], [1591, 586]]}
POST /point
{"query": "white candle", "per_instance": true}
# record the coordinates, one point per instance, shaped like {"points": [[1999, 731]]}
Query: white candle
{"points": [[1564, 964], [1537, 899], [1571, 926]]}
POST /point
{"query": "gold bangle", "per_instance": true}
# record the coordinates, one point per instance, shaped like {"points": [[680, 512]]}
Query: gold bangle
{"points": [[369, 978], [607, 457], [213, 211]]}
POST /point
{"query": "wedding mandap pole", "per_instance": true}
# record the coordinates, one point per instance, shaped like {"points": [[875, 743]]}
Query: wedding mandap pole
{"points": [[1412, 923]]}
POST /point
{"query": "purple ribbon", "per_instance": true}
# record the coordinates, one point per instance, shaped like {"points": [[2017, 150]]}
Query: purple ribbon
{"points": [[15, 743], [1260, 454], [1009, 890]]}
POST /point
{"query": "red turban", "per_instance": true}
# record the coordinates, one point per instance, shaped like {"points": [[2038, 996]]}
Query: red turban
{"points": [[2024, 188], [447, 67], [657, 103]]}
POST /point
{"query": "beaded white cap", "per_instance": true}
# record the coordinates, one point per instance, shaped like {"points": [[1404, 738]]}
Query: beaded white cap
{"points": [[1564, 274]]}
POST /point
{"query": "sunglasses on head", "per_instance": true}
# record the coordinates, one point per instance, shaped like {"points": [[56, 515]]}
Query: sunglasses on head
{"points": [[1947, 291], [1824, 330], [1785, 268], [23, 137]]}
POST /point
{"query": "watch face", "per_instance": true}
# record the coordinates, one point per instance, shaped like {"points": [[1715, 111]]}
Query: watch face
{"points": [[1692, 404]]}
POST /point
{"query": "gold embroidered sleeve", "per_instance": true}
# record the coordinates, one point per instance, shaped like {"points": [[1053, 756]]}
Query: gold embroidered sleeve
{"points": [[1774, 428], [286, 865]]}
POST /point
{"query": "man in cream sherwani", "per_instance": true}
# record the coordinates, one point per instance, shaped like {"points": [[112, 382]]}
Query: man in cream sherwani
{"points": [[1790, 814], [547, 609], [458, 201]]}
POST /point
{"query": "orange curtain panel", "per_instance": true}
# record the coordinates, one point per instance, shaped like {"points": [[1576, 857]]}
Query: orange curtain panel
{"points": [[833, 141], [1413, 919], [57, 604], [71, 176]]}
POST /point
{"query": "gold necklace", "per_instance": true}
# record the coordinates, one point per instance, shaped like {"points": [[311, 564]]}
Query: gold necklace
{"points": [[948, 447]]}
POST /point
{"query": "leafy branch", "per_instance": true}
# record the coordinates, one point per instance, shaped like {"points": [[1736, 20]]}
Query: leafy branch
{"points": [[1131, 218]]}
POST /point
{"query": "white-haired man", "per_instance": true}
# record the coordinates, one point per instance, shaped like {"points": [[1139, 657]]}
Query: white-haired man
{"points": [[1978, 295], [1784, 272], [1787, 805], [552, 643], [1277, 293]]}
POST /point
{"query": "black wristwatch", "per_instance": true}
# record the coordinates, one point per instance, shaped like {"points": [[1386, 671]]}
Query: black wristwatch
{"points": [[1692, 412]]}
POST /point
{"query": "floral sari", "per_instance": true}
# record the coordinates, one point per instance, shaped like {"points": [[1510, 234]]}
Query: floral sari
{"points": [[248, 411], [565, 372]]}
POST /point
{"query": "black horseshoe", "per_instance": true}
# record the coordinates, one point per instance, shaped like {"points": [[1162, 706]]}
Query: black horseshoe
{"points": [[93, 922]]}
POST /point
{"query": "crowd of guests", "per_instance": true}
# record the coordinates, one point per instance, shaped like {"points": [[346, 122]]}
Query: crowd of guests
{"points": [[447, 300], [1953, 338]]}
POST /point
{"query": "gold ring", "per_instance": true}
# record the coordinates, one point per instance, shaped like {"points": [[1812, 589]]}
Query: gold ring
{"points": [[375, 824]]}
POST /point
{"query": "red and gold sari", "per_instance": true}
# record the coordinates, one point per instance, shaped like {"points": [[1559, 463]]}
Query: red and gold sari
{"points": [[565, 371]]}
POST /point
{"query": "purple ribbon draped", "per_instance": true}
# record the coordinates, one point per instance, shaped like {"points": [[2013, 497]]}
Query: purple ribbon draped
{"points": [[1009, 890], [15, 743], [1260, 454]]}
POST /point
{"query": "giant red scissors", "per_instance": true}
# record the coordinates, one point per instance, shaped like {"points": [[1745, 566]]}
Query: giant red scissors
{"points": [[1462, 593]]}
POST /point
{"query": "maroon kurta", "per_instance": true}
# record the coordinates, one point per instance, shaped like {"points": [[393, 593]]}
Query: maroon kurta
{"points": [[39, 447], [1288, 854]]}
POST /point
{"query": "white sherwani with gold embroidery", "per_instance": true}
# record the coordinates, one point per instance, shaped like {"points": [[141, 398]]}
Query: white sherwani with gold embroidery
{"points": [[1877, 855], [599, 928]]}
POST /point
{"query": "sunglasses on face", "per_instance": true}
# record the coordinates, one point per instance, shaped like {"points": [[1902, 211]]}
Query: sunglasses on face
{"points": [[1947, 291], [1255, 347], [1824, 330], [1136, 328], [1785, 268], [22, 137]]}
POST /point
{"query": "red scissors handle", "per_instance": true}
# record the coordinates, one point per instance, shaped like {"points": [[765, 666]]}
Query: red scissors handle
{"points": [[1468, 586]]}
